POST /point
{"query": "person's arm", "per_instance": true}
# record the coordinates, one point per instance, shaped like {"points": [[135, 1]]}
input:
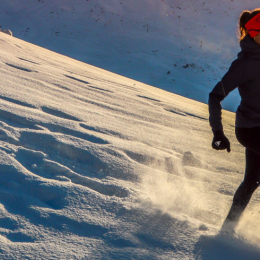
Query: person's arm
{"points": [[231, 80]]}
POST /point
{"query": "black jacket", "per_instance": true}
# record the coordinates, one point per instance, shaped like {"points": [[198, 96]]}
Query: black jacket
{"points": [[243, 73]]}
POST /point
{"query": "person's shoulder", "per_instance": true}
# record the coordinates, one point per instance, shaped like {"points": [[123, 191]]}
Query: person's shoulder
{"points": [[242, 56], [240, 60]]}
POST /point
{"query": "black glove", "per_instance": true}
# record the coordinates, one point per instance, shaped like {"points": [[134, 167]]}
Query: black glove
{"points": [[220, 141]]}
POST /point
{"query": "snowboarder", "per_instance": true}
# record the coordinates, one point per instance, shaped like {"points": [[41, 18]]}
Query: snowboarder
{"points": [[243, 73]]}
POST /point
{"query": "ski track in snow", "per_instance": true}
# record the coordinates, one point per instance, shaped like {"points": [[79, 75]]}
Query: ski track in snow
{"points": [[97, 166]]}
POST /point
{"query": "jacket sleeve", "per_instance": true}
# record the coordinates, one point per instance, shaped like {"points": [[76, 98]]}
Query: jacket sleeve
{"points": [[232, 79]]}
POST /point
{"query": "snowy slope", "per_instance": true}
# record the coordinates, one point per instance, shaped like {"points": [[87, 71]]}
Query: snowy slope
{"points": [[184, 47], [97, 166]]}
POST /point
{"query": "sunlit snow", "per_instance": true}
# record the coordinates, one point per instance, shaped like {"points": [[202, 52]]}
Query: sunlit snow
{"points": [[98, 166], [95, 165], [184, 47]]}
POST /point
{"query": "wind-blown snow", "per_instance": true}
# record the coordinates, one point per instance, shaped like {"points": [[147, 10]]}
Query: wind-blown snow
{"points": [[184, 47], [97, 166]]}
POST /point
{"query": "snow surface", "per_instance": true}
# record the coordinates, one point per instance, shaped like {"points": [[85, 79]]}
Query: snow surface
{"points": [[184, 47], [94, 165]]}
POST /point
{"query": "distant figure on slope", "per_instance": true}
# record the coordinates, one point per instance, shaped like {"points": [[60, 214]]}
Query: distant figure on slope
{"points": [[243, 73]]}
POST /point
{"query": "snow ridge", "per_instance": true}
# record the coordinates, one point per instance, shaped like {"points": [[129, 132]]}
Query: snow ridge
{"points": [[166, 43]]}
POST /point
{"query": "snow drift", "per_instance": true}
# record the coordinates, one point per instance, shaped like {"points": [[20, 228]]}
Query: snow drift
{"points": [[97, 166]]}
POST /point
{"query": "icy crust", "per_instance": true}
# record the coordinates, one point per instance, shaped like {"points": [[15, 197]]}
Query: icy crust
{"points": [[97, 166]]}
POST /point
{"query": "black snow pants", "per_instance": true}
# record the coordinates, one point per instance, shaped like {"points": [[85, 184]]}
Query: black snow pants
{"points": [[250, 139]]}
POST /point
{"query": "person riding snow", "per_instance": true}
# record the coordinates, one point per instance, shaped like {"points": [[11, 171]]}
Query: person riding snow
{"points": [[243, 73]]}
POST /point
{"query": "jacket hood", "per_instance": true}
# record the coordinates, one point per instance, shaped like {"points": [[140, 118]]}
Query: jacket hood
{"points": [[249, 45]]}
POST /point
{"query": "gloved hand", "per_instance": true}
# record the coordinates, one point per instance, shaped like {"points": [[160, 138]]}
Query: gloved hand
{"points": [[220, 141]]}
